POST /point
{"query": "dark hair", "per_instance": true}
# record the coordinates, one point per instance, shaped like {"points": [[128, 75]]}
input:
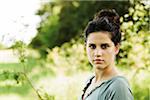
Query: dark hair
{"points": [[105, 20]]}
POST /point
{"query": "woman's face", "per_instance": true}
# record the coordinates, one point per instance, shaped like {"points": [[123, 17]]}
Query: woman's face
{"points": [[101, 50]]}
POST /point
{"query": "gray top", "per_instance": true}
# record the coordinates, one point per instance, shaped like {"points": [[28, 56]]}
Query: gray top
{"points": [[116, 88]]}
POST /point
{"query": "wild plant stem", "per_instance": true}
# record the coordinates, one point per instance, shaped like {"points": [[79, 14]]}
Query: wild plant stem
{"points": [[30, 83]]}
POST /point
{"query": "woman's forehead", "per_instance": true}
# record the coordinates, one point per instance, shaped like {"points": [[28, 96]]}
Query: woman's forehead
{"points": [[99, 37]]}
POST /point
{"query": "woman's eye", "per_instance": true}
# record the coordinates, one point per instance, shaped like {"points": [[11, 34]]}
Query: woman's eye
{"points": [[104, 46], [92, 46]]}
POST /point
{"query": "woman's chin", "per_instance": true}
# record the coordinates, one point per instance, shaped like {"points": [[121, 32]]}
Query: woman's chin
{"points": [[99, 66]]}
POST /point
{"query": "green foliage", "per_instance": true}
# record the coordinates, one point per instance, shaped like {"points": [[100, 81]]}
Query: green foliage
{"points": [[64, 20], [140, 85], [13, 81], [136, 39], [20, 47], [2, 46], [70, 57], [45, 95], [135, 52]]}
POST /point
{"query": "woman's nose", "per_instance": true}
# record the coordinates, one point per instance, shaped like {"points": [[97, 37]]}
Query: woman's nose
{"points": [[98, 52]]}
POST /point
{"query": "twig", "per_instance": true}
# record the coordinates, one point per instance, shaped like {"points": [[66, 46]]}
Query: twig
{"points": [[24, 73]]}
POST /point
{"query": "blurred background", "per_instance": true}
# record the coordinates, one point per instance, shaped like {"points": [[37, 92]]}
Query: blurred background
{"points": [[42, 53]]}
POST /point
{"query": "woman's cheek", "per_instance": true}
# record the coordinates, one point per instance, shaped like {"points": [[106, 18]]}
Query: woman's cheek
{"points": [[111, 55], [90, 55]]}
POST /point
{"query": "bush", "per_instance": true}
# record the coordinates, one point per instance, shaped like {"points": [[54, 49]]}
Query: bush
{"points": [[71, 57]]}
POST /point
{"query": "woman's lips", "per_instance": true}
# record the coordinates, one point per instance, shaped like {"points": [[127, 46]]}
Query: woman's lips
{"points": [[98, 61]]}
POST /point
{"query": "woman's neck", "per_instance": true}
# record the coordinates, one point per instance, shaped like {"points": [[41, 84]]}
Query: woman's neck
{"points": [[105, 74]]}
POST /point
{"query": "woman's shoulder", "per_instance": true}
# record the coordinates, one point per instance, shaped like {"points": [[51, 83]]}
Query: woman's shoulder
{"points": [[119, 80], [119, 83], [118, 89]]}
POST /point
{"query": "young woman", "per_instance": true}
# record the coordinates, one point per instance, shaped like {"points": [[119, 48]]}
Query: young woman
{"points": [[102, 38]]}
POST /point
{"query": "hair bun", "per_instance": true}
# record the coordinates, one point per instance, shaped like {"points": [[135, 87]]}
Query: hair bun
{"points": [[105, 20], [109, 14]]}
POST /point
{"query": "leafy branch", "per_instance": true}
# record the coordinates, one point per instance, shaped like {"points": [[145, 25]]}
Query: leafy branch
{"points": [[20, 49]]}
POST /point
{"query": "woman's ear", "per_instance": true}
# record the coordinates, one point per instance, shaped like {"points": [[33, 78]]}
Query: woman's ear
{"points": [[117, 47]]}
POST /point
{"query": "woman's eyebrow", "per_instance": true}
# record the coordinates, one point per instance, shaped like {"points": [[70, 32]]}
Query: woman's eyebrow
{"points": [[105, 43], [91, 43]]}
